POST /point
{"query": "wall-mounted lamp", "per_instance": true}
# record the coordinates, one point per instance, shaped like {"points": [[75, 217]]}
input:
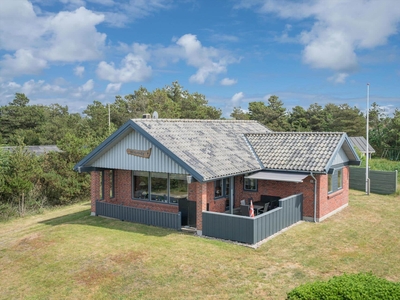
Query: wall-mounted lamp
{"points": [[189, 178]]}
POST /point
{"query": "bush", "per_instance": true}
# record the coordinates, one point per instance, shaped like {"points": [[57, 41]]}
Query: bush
{"points": [[347, 287]]}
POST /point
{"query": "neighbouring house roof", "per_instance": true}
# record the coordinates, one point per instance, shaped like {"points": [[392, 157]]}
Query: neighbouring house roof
{"points": [[300, 151], [212, 149], [361, 144], [37, 150]]}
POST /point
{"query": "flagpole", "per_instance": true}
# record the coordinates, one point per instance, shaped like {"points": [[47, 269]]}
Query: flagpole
{"points": [[367, 147], [109, 119]]}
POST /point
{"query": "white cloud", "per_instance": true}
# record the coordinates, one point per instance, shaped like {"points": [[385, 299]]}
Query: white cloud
{"points": [[19, 25], [113, 87], [228, 81], [103, 2], [12, 85], [208, 60], [79, 70], [88, 86], [74, 36], [341, 28], [66, 36], [237, 98], [22, 62], [133, 68], [53, 88], [339, 78], [31, 87], [125, 12], [73, 4]]}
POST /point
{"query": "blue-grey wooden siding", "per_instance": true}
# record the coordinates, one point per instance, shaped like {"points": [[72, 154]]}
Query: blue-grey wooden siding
{"points": [[117, 158], [381, 182], [138, 215], [340, 158], [253, 230]]}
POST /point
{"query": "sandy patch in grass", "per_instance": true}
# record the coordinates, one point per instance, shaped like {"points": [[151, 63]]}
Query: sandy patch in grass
{"points": [[34, 241]]}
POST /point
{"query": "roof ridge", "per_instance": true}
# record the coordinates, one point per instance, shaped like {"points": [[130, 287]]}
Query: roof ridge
{"points": [[295, 132], [196, 120]]}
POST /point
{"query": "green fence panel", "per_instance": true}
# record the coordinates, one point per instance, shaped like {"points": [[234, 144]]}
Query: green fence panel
{"points": [[381, 182]]}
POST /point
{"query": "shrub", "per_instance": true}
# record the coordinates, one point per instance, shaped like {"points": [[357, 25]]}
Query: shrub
{"points": [[348, 287]]}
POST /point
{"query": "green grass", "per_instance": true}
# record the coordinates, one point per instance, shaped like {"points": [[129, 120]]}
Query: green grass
{"points": [[66, 253], [382, 164]]}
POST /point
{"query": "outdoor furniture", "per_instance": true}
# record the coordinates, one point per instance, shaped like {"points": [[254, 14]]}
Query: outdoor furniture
{"points": [[245, 210], [257, 209], [243, 202], [265, 209], [273, 200]]}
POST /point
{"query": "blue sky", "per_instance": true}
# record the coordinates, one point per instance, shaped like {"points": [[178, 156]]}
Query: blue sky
{"points": [[235, 51]]}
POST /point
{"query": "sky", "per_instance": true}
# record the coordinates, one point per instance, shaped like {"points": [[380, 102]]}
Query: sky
{"points": [[73, 52]]}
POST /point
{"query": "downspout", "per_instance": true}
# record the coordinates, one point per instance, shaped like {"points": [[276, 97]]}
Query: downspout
{"points": [[315, 197]]}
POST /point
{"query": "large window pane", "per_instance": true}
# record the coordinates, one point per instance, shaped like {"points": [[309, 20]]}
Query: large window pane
{"points": [[159, 187], [140, 185], [178, 188]]}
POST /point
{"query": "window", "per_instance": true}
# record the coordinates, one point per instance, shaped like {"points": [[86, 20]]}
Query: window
{"points": [[101, 178], [112, 191], [227, 187], [339, 179], [335, 180], [218, 188], [140, 185], [178, 187], [250, 184], [159, 187], [221, 188], [330, 186]]}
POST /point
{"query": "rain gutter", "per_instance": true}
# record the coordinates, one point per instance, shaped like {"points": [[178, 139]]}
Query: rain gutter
{"points": [[315, 197]]}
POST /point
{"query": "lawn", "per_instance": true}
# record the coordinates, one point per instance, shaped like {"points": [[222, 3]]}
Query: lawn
{"points": [[66, 253]]}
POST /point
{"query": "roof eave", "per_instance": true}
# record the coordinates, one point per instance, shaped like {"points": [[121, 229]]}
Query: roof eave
{"points": [[342, 140]]}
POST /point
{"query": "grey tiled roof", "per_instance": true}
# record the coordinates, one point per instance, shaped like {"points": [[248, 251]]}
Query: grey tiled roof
{"points": [[213, 148], [295, 151], [360, 142]]}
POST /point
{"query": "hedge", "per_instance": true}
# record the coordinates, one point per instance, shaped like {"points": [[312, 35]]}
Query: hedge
{"points": [[348, 287]]}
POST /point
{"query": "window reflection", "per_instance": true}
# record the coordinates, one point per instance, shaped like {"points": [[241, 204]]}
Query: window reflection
{"points": [[140, 185]]}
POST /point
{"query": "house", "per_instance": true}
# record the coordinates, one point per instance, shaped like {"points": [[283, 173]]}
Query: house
{"points": [[198, 166], [360, 143]]}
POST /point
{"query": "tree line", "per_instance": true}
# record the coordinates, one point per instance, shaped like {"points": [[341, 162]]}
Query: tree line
{"points": [[29, 182], [384, 130]]}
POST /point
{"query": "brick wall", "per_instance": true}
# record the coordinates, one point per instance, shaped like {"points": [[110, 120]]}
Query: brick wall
{"points": [[279, 188], [203, 194], [123, 192], [333, 201], [94, 189]]}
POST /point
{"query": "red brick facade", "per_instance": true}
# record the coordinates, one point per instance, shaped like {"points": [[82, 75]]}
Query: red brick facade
{"points": [[123, 192], [203, 194]]}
